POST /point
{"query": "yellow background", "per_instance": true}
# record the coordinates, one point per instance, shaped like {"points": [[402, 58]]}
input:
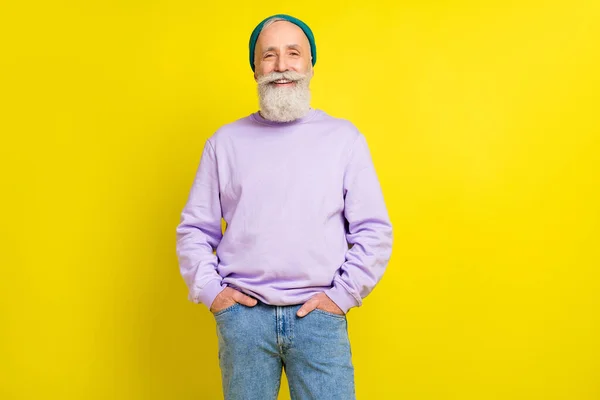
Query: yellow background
{"points": [[483, 121]]}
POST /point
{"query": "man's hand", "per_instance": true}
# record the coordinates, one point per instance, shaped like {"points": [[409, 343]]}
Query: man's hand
{"points": [[228, 297], [320, 301]]}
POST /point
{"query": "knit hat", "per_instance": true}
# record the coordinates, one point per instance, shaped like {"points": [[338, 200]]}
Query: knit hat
{"points": [[293, 20]]}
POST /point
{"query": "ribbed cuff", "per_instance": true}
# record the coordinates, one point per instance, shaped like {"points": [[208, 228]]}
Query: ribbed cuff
{"points": [[207, 294], [342, 297]]}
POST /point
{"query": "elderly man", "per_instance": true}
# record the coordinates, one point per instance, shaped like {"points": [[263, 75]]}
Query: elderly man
{"points": [[307, 233]]}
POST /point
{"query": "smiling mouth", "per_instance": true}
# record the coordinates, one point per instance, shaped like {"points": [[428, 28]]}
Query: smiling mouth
{"points": [[282, 82]]}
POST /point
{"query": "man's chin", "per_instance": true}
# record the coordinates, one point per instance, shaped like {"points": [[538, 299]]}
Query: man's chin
{"points": [[284, 102]]}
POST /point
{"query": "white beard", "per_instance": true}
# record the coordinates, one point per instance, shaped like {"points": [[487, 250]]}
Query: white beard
{"points": [[284, 104]]}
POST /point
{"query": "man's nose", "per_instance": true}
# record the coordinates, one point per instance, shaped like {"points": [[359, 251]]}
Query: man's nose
{"points": [[281, 65]]}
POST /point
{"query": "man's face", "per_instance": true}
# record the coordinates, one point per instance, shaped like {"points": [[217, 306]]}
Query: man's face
{"points": [[283, 69], [282, 46]]}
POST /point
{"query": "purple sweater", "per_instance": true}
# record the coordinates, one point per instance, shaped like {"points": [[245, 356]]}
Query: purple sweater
{"points": [[304, 213]]}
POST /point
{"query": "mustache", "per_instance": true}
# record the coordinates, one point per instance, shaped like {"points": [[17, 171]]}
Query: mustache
{"points": [[275, 76]]}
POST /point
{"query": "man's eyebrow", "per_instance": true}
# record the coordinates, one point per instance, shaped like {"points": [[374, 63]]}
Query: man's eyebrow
{"points": [[289, 46]]}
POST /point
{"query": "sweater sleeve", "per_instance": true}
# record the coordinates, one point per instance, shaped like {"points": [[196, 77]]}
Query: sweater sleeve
{"points": [[199, 233], [369, 231]]}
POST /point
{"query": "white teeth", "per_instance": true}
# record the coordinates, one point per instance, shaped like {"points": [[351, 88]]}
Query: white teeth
{"points": [[283, 81]]}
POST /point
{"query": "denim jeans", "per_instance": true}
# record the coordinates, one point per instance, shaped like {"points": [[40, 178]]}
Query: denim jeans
{"points": [[255, 343]]}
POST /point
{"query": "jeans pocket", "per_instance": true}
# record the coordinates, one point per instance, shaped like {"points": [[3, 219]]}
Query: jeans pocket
{"points": [[225, 310], [329, 314]]}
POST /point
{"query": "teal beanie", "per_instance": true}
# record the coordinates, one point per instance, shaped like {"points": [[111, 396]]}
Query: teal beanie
{"points": [[289, 18]]}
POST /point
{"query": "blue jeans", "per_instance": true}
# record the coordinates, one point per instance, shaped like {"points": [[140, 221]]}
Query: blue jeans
{"points": [[255, 343]]}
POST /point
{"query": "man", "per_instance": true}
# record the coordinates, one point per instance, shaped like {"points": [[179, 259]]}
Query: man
{"points": [[307, 232]]}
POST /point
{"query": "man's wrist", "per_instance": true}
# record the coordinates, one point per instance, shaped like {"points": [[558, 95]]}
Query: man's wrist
{"points": [[209, 292], [340, 296]]}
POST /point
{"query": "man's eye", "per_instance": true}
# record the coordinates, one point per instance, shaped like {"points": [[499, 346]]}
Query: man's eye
{"points": [[268, 55], [294, 54]]}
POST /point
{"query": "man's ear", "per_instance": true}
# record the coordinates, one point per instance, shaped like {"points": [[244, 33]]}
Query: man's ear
{"points": [[255, 76]]}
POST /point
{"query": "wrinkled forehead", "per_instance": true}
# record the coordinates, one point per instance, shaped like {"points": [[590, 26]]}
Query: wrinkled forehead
{"points": [[281, 34]]}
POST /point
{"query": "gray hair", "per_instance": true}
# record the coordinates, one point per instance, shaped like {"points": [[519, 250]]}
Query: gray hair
{"points": [[271, 21]]}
